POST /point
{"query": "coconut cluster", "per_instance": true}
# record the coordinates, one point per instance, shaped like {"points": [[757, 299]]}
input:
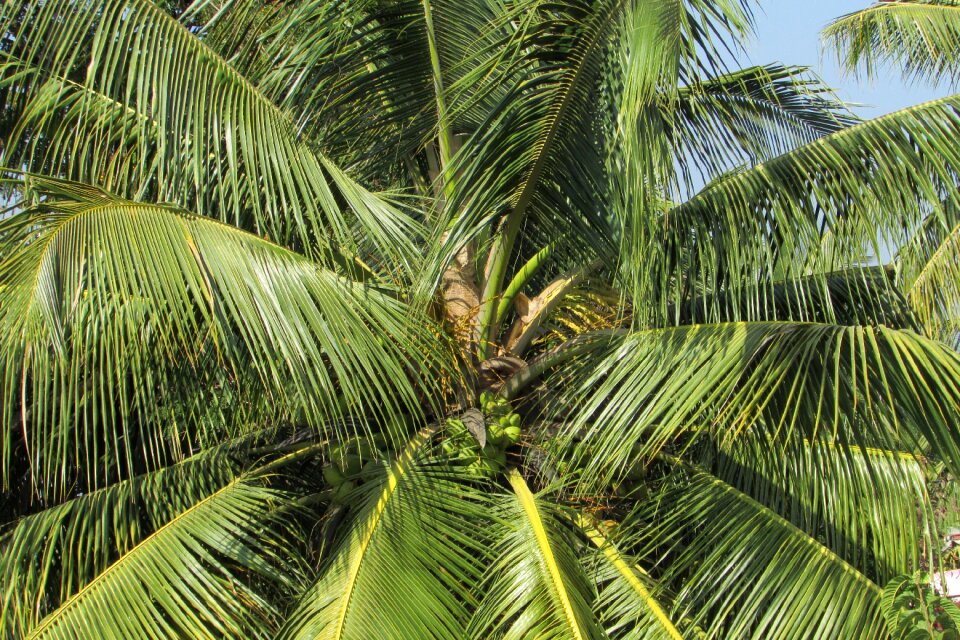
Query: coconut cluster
{"points": [[350, 462], [503, 429]]}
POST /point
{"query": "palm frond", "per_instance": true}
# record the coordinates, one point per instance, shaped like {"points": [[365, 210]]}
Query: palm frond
{"points": [[220, 147], [863, 189], [535, 587], [537, 167], [148, 292], [751, 115], [593, 307], [740, 570], [667, 45], [51, 555], [918, 36], [516, 168], [196, 576], [870, 506], [855, 386], [406, 564]]}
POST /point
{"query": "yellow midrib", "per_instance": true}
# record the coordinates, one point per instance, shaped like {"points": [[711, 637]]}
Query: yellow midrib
{"points": [[948, 243], [394, 473], [613, 555], [121, 561], [529, 505]]}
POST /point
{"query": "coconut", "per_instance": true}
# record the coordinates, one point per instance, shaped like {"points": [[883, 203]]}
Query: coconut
{"points": [[352, 463], [332, 474], [512, 433], [342, 491]]}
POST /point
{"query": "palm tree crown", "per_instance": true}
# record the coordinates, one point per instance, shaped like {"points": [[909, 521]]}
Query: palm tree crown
{"points": [[470, 319]]}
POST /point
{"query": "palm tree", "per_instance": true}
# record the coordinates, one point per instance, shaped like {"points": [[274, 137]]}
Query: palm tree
{"points": [[446, 319]]}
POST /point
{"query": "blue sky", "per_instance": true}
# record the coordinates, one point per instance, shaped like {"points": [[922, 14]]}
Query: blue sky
{"points": [[788, 31]]}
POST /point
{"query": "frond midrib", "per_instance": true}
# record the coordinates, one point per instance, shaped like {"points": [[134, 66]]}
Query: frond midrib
{"points": [[589, 526], [532, 512], [126, 559], [397, 470], [775, 519], [832, 139], [952, 238]]}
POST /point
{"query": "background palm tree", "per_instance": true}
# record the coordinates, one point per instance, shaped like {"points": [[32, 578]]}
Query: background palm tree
{"points": [[445, 319]]}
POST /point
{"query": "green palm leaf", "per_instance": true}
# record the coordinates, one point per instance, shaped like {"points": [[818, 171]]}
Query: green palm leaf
{"points": [[405, 564], [535, 587], [144, 291], [919, 36], [854, 385], [750, 116], [49, 556], [869, 506], [186, 578], [236, 30], [221, 148], [741, 570], [864, 188], [515, 161]]}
